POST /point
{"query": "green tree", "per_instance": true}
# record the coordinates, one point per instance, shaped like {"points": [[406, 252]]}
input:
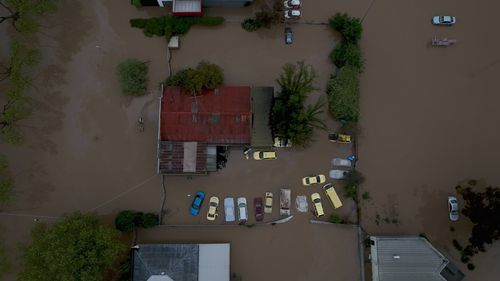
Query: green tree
{"points": [[205, 76], [343, 94], [132, 75], [127, 221], [4, 262], [289, 117], [482, 207], [24, 14], [347, 54], [77, 248], [148, 220], [213, 75], [349, 27], [6, 181]]}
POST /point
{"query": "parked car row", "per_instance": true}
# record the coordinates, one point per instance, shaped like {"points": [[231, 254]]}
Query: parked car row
{"points": [[292, 9]]}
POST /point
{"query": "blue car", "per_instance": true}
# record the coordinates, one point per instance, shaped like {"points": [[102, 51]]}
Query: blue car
{"points": [[196, 206]]}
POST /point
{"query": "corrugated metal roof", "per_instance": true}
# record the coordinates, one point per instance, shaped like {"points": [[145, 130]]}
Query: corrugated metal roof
{"points": [[407, 258], [173, 158], [221, 116], [262, 99]]}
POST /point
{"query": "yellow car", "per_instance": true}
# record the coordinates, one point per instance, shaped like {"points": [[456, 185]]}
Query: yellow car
{"points": [[213, 205], [268, 203], [318, 207], [340, 138], [264, 155], [313, 180]]}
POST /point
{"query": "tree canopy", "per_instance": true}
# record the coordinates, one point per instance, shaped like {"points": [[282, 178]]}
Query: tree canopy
{"points": [[482, 207], [24, 14], [290, 119], [343, 92], [132, 75], [77, 248], [204, 76], [127, 220], [6, 181]]}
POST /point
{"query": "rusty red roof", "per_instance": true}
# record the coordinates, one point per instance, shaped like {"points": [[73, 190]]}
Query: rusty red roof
{"points": [[220, 116]]}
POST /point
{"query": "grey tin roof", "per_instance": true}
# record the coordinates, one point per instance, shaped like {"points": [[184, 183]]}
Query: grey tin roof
{"points": [[178, 261], [408, 258], [262, 99]]}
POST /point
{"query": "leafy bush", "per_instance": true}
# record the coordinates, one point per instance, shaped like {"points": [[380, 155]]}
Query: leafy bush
{"points": [[137, 3], [336, 219], [457, 245], [250, 24], [353, 178], [132, 76], [343, 94], [349, 27], [126, 221], [206, 75], [471, 266], [366, 195], [351, 191], [170, 25], [347, 54], [6, 181]]}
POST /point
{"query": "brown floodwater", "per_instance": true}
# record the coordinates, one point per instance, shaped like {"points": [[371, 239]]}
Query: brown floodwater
{"points": [[428, 121]]}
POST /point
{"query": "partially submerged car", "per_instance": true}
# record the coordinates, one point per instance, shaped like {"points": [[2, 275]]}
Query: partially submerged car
{"points": [[229, 209], [444, 20], [213, 206], [301, 203], [292, 14], [281, 142], [453, 208], [340, 138], [313, 180], [288, 35], [265, 155], [337, 174], [332, 196], [242, 210], [268, 207], [317, 206], [289, 4], [197, 201], [259, 209], [341, 162]]}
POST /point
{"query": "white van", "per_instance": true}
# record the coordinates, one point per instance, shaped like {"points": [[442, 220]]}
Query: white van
{"points": [[229, 209]]}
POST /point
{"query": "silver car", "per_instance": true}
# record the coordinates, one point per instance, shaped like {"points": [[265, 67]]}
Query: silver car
{"points": [[242, 209], [453, 208], [443, 20], [229, 209]]}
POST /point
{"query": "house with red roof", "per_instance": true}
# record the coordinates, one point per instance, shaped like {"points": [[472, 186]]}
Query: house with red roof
{"points": [[193, 128]]}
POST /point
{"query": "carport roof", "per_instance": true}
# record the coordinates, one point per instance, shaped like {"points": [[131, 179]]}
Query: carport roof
{"points": [[262, 99]]}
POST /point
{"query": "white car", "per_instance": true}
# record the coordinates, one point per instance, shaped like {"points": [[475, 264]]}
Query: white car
{"points": [[292, 14], [268, 203], [341, 162], [288, 4], [443, 20], [337, 174], [242, 209], [453, 208], [229, 209]]}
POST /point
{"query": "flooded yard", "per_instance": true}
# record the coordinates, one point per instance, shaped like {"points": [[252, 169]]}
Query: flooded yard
{"points": [[428, 121]]}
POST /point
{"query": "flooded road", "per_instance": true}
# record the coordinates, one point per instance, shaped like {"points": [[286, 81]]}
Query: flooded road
{"points": [[428, 121]]}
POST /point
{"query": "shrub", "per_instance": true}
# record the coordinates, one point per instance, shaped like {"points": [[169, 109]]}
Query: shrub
{"points": [[170, 25], [250, 25], [457, 245], [125, 221], [464, 259], [347, 54], [343, 94], [6, 181], [137, 3], [149, 220], [336, 219], [349, 27], [366, 195], [353, 178], [351, 191], [132, 76], [471, 266]]}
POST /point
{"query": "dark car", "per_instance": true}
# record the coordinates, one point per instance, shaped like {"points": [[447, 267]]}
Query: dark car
{"points": [[259, 209], [197, 201], [288, 35]]}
